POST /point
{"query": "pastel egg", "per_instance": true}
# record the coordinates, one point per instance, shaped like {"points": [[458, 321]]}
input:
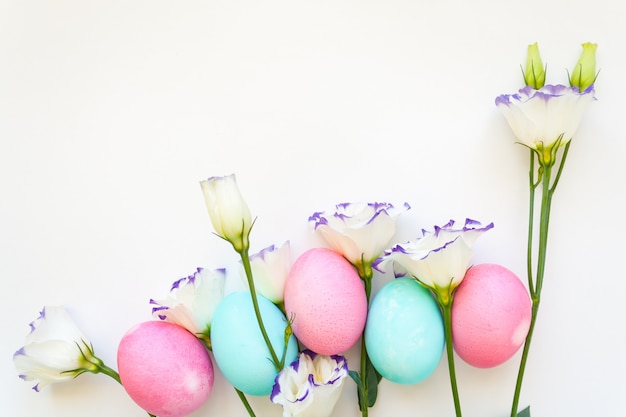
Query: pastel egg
{"points": [[326, 298], [404, 334], [490, 315], [238, 345], [165, 369]]}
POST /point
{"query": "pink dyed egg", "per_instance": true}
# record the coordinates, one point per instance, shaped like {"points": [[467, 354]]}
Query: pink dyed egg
{"points": [[165, 369], [490, 315], [326, 297]]}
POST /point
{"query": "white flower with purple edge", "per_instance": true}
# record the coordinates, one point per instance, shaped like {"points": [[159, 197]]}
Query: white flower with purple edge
{"points": [[228, 210], [439, 259], [270, 268], [544, 118], [192, 301], [55, 350], [310, 386], [359, 231]]}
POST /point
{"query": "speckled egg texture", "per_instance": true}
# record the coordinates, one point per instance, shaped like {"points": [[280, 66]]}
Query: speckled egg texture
{"points": [[490, 315], [326, 298], [165, 369]]}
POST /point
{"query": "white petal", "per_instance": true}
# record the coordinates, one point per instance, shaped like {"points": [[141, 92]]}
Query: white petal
{"points": [[270, 269]]}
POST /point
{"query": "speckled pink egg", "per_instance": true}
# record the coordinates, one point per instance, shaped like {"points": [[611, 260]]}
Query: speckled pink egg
{"points": [[165, 369], [490, 315], [326, 298]]}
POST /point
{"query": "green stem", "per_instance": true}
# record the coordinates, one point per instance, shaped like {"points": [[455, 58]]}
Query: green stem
{"points": [[364, 406], [366, 274], [522, 367], [245, 259], [544, 221], [102, 368], [531, 224], [446, 308], [245, 402], [536, 285]]}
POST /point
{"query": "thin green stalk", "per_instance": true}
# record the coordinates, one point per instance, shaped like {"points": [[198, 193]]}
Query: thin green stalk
{"points": [[363, 374], [446, 308], [110, 372], [531, 223], [544, 222], [245, 402], [536, 284], [522, 367], [366, 274], [561, 165], [245, 259]]}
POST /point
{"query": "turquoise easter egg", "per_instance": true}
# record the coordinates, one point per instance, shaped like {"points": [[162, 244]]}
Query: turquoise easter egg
{"points": [[404, 333], [240, 351]]}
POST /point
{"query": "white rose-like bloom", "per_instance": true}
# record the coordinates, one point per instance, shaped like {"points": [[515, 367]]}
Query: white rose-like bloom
{"points": [[310, 386], [54, 351], [229, 212], [438, 260], [359, 231], [270, 268], [193, 300], [541, 118]]}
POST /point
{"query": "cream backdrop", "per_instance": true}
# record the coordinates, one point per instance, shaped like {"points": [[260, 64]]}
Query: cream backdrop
{"points": [[112, 111]]}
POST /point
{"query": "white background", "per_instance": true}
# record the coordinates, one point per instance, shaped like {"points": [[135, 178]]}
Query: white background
{"points": [[112, 111]]}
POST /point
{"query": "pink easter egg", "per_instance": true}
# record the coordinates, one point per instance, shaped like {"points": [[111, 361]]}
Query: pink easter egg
{"points": [[490, 315], [165, 369], [326, 298]]}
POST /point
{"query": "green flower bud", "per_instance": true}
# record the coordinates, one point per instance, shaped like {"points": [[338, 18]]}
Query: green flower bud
{"points": [[535, 73], [584, 73]]}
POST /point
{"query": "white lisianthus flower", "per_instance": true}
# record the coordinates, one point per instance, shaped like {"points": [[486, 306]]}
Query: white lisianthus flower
{"points": [[546, 118], [229, 212], [192, 301], [55, 350], [270, 268], [438, 260], [310, 386], [359, 231]]}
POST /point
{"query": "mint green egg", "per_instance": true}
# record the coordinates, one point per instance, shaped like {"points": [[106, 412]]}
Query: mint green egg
{"points": [[239, 348], [404, 333]]}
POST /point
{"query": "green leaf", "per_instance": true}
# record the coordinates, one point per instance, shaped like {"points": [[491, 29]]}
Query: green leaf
{"points": [[372, 380], [360, 388], [524, 413], [367, 388], [357, 380]]}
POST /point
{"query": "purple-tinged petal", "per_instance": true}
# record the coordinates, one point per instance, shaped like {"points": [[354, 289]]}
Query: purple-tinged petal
{"points": [[192, 300], [270, 268], [439, 259], [359, 231], [52, 350]]}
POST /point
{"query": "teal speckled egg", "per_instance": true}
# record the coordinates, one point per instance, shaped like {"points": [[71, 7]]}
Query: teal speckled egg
{"points": [[238, 345], [404, 333]]}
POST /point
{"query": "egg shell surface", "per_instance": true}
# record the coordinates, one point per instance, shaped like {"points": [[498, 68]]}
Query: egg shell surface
{"points": [[404, 334], [165, 369], [490, 315], [326, 297], [239, 348]]}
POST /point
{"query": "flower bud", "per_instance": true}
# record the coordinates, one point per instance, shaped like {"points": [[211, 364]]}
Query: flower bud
{"points": [[228, 211], [584, 73], [535, 73]]}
